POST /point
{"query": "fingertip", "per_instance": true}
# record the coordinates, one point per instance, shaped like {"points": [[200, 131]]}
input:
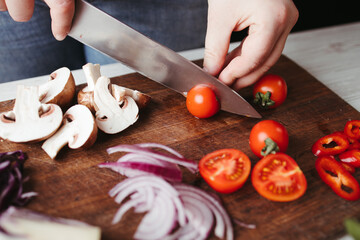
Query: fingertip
{"points": [[60, 36], [211, 67], [227, 77]]}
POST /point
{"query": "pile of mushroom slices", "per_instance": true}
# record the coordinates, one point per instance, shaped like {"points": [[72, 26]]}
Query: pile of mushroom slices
{"points": [[38, 111]]}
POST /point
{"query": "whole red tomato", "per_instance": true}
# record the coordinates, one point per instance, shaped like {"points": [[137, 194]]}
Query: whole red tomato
{"points": [[268, 129], [201, 102], [270, 91]]}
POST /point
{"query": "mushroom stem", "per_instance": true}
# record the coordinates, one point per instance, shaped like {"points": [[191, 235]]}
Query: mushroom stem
{"points": [[62, 137], [27, 107], [92, 73]]}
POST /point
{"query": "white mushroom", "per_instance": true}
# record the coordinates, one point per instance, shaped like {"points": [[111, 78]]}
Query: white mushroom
{"points": [[120, 92], [79, 130], [30, 120], [60, 89], [86, 95], [113, 116]]}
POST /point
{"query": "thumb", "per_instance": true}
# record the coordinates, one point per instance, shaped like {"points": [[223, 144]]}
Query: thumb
{"points": [[217, 41]]}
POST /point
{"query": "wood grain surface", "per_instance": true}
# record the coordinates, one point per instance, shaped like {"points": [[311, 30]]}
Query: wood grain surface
{"points": [[73, 186]]}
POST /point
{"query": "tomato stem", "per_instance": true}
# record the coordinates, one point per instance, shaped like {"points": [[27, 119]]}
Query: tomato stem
{"points": [[263, 100], [270, 147]]}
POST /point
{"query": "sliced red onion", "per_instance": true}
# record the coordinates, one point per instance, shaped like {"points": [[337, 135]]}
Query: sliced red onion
{"points": [[223, 222], [243, 224], [173, 212], [145, 150], [150, 185], [133, 164], [161, 217], [200, 220]]}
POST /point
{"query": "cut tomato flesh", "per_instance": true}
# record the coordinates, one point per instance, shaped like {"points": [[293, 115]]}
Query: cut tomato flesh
{"points": [[225, 170], [277, 177]]}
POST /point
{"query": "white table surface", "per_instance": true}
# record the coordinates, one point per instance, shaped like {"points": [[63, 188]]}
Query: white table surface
{"points": [[331, 55]]}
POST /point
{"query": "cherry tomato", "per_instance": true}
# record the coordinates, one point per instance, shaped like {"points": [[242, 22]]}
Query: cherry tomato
{"points": [[278, 177], [337, 177], [201, 102], [331, 144], [225, 170], [270, 91], [264, 130]]}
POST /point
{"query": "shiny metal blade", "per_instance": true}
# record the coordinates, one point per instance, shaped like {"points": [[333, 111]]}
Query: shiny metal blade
{"points": [[104, 33]]}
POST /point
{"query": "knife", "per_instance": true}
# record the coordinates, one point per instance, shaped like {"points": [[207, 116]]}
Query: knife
{"points": [[106, 34]]}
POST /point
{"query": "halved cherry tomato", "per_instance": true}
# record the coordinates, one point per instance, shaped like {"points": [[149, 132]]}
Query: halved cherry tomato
{"points": [[225, 170], [331, 144], [270, 91], [268, 129], [352, 129], [336, 176], [351, 157], [201, 102], [278, 177]]}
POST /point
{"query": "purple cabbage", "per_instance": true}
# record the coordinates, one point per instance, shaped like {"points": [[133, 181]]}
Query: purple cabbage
{"points": [[12, 180]]}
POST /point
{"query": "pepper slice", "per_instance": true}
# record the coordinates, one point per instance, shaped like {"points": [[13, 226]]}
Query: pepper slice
{"points": [[331, 144], [340, 180], [354, 144], [348, 167], [351, 157], [352, 129]]}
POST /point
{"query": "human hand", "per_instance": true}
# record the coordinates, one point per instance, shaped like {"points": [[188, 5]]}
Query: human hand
{"points": [[269, 22], [61, 12]]}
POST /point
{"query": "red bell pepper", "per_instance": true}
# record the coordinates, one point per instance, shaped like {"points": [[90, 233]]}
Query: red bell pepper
{"points": [[348, 167], [340, 180], [331, 144], [354, 144], [352, 129], [351, 157]]}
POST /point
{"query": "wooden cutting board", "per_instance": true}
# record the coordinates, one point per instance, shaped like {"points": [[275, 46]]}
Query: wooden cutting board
{"points": [[73, 186]]}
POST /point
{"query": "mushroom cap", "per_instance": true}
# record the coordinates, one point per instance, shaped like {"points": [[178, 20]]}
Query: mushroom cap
{"points": [[60, 89], [81, 119], [79, 130], [86, 98]]}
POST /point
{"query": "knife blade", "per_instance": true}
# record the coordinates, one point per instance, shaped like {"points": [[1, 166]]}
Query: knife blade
{"points": [[97, 29]]}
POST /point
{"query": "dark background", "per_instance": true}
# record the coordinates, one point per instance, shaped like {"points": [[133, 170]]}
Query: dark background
{"points": [[321, 13]]}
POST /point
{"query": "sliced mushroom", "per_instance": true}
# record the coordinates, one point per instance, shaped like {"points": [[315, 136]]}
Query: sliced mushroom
{"points": [[86, 95], [79, 130], [60, 89], [30, 120], [140, 98], [113, 116]]}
